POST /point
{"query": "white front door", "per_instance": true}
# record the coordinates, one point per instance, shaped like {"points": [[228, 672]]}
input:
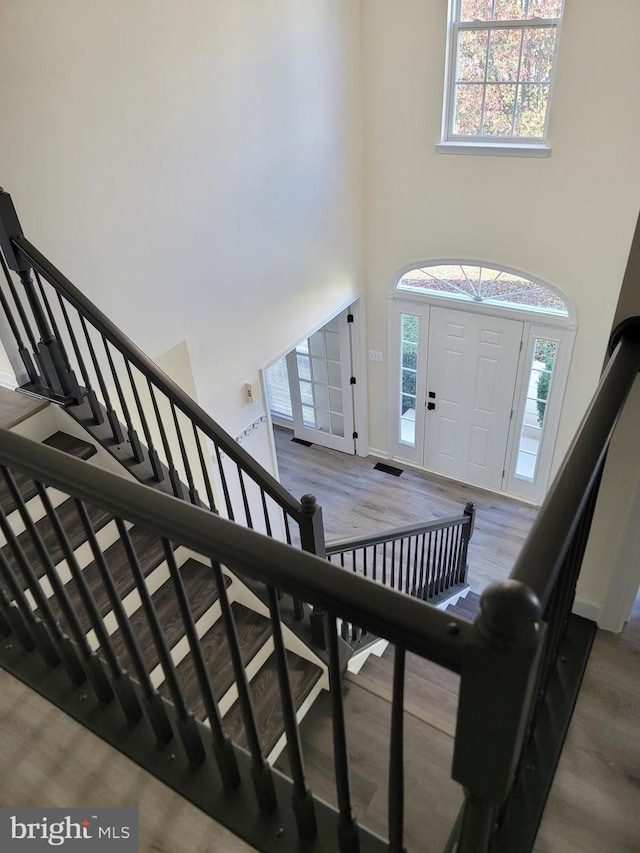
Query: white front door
{"points": [[319, 371], [472, 365]]}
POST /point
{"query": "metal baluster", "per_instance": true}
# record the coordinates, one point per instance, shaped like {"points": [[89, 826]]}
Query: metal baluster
{"points": [[153, 702], [401, 566], [396, 756], [94, 405], [225, 488], [187, 726], [134, 441], [302, 802], [56, 330], [23, 352], [422, 581], [29, 630], [114, 423], [222, 746], [384, 563], [265, 509], [287, 529], [205, 472], [61, 643], [393, 564], [174, 478], [348, 837], [193, 494], [374, 569], [440, 561], [5, 624], [245, 500], [364, 562], [92, 662], [154, 459], [260, 770]]}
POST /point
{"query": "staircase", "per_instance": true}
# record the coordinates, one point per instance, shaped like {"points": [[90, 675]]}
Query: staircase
{"points": [[250, 616]]}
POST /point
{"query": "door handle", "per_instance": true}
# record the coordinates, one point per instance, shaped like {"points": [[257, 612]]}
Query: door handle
{"points": [[431, 406]]}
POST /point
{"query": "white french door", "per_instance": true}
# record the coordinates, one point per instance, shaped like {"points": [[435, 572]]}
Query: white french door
{"points": [[472, 365], [319, 370]]}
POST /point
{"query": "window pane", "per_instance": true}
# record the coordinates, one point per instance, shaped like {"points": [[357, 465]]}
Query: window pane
{"points": [[277, 382], [472, 10], [544, 8], [323, 421], [472, 55], [409, 355], [409, 330], [322, 396], [337, 425], [504, 56], [531, 109], [304, 368], [409, 381], [499, 107], [308, 417], [468, 109], [306, 393], [335, 400], [509, 10], [537, 54], [333, 345], [317, 345], [319, 370], [335, 374]]}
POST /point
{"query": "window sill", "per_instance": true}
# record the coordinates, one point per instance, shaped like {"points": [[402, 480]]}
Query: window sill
{"points": [[495, 149]]}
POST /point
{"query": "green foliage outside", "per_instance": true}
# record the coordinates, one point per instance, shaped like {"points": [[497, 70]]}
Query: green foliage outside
{"points": [[543, 389]]}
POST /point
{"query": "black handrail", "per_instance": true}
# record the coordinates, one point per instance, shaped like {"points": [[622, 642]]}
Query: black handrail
{"points": [[354, 543], [398, 618]]}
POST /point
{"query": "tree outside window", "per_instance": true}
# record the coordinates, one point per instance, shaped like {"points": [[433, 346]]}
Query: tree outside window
{"points": [[502, 54]]}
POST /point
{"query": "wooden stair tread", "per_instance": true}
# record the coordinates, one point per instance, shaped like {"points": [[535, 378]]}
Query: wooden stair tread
{"points": [[267, 705], [150, 553], [71, 524], [16, 406], [467, 607], [253, 631], [71, 445], [201, 592]]}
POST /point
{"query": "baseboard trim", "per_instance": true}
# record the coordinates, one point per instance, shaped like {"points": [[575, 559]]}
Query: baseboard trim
{"points": [[587, 608], [8, 379]]}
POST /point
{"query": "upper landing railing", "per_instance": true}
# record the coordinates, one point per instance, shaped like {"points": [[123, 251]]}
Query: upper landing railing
{"points": [[75, 354]]}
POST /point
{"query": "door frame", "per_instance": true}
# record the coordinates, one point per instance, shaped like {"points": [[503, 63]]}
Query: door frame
{"points": [[358, 365], [536, 324]]}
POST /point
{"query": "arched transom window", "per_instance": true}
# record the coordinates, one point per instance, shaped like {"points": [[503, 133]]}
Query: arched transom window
{"points": [[484, 284]]}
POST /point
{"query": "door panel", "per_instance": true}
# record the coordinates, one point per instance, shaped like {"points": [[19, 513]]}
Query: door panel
{"points": [[319, 372], [471, 368]]}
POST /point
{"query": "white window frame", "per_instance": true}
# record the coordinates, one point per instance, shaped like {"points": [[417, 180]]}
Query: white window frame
{"points": [[486, 144]]}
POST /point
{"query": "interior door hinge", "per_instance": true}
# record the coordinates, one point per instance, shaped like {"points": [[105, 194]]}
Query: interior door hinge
{"points": [[355, 435], [352, 381], [349, 318], [511, 415]]}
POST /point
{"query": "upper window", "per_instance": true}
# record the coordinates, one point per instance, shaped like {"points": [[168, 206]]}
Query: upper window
{"points": [[484, 284], [501, 58]]}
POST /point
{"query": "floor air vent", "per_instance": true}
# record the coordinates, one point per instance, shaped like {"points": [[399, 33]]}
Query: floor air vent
{"points": [[388, 469], [302, 441]]}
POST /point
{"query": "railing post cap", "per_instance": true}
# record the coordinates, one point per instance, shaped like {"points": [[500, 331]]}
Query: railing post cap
{"points": [[510, 615], [308, 503]]}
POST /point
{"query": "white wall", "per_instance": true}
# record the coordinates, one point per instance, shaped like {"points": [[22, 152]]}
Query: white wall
{"points": [[195, 167], [567, 219]]}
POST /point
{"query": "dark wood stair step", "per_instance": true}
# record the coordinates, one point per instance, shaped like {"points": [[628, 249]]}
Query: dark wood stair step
{"points": [[71, 524], [71, 445], [26, 486], [202, 594], [267, 705], [468, 607], [253, 631], [150, 553]]}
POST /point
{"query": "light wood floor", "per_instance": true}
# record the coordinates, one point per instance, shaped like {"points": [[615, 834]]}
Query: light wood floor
{"points": [[594, 806], [356, 499]]}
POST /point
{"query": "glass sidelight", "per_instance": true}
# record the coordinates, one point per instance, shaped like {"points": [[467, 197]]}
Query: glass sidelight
{"points": [[409, 342], [535, 408]]}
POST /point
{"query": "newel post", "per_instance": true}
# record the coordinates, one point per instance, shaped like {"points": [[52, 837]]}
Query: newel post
{"points": [[498, 677], [312, 540], [463, 566], [55, 372]]}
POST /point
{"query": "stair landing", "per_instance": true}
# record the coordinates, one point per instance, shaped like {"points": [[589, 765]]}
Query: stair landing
{"points": [[16, 406]]}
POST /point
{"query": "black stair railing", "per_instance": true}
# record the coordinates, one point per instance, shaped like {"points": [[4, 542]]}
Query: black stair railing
{"points": [[58, 638], [72, 352], [427, 560]]}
